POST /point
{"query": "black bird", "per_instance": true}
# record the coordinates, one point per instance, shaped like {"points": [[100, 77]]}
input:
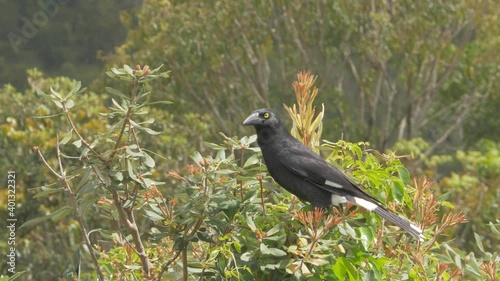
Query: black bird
{"points": [[304, 173]]}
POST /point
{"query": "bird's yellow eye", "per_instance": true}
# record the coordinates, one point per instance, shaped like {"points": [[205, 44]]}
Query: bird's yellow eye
{"points": [[266, 115]]}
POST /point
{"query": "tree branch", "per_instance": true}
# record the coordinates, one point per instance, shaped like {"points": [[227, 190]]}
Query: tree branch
{"points": [[127, 219], [74, 205]]}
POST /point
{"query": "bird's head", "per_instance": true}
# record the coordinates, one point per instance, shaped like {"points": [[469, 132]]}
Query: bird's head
{"points": [[262, 118]]}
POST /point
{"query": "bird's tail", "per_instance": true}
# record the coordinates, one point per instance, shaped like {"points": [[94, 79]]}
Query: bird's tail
{"points": [[401, 222], [388, 215]]}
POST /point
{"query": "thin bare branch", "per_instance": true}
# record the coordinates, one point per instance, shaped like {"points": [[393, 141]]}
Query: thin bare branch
{"points": [[76, 210], [167, 264]]}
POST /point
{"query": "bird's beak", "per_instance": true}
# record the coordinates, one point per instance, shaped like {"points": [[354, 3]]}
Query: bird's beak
{"points": [[253, 119]]}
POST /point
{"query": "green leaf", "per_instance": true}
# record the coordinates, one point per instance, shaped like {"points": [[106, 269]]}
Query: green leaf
{"points": [[304, 270], [148, 160], [47, 191], [86, 175], [75, 89], [264, 249], [103, 176], [377, 264], [254, 159], [444, 258], [152, 215], [247, 256], [276, 229], [67, 137], [197, 158], [404, 174], [213, 145], [346, 229], [157, 69], [69, 104], [165, 74], [116, 92], [250, 223], [58, 103], [494, 229], [224, 171], [128, 69], [35, 221], [48, 116], [76, 258], [12, 277], [41, 93], [352, 271], [339, 269], [147, 182], [447, 204], [221, 154], [276, 252], [237, 246], [357, 150], [317, 121], [479, 242], [60, 214], [407, 200], [252, 139], [366, 236], [118, 105], [150, 131], [55, 94], [87, 188], [473, 265], [445, 196], [398, 191], [129, 151], [77, 143], [118, 71], [318, 262], [458, 261], [149, 121], [131, 172], [161, 102]]}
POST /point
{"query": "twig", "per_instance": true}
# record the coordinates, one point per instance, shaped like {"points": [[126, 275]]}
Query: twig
{"points": [[37, 149], [184, 264], [259, 177], [165, 267], [84, 142], [125, 120], [74, 204], [128, 220]]}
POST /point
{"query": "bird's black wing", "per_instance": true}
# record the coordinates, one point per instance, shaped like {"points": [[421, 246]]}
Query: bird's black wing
{"points": [[303, 162]]}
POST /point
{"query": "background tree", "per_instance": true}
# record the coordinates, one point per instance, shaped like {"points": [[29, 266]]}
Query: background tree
{"points": [[392, 70]]}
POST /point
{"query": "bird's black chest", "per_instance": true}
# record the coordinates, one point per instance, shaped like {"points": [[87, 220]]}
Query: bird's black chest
{"points": [[271, 146]]}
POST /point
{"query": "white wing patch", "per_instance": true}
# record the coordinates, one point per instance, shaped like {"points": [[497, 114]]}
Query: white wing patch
{"points": [[365, 204], [416, 227], [333, 184], [337, 200], [421, 237]]}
